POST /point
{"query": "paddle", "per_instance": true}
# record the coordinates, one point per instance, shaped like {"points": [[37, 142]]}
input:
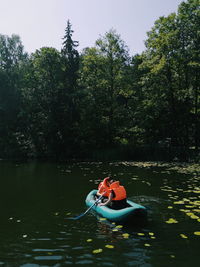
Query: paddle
{"points": [[82, 214]]}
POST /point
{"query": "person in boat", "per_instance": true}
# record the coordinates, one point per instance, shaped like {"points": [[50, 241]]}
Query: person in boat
{"points": [[104, 188], [115, 193]]}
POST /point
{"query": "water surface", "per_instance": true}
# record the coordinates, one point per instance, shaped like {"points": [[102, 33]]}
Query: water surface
{"points": [[37, 201]]}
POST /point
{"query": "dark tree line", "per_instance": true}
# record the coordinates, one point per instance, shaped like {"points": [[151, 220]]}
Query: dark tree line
{"points": [[66, 104]]}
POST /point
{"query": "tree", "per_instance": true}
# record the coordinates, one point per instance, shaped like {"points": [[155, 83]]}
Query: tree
{"points": [[69, 106], [104, 74], [12, 58], [41, 99]]}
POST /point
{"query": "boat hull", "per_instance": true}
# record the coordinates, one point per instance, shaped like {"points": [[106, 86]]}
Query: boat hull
{"points": [[130, 214]]}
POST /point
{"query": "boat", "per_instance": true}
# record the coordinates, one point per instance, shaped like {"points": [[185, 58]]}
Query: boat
{"points": [[131, 213]]}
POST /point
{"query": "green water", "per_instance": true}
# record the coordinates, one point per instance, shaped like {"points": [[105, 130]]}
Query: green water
{"points": [[37, 200]]}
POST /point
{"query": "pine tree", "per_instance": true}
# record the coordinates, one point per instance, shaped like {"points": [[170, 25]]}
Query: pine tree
{"points": [[71, 57]]}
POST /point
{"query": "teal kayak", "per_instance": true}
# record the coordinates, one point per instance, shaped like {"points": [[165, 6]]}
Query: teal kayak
{"points": [[132, 212]]}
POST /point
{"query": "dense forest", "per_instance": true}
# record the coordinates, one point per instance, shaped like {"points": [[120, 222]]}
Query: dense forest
{"points": [[103, 103]]}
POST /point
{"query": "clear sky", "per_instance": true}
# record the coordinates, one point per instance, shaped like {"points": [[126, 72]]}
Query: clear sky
{"points": [[42, 22]]}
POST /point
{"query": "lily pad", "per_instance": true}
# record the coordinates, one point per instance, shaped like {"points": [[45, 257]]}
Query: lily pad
{"points": [[197, 233], [95, 251], [171, 220], [109, 246], [183, 236]]}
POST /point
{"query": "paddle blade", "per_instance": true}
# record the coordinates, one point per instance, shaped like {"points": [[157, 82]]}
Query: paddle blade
{"points": [[78, 217]]}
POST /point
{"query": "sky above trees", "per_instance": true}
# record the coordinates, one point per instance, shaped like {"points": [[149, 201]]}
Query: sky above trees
{"points": [[42, 23]]}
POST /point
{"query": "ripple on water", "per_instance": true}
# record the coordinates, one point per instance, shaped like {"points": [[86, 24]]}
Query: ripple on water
{"points": [[85, 262], [29, 265], [77, 248], [48, 258], [47, 250]]}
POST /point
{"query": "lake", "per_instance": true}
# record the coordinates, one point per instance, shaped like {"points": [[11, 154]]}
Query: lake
{"points": [[37, 200]]}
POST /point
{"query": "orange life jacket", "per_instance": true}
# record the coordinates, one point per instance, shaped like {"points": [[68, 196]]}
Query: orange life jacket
{"points": [[103, 187], [119, 190]]}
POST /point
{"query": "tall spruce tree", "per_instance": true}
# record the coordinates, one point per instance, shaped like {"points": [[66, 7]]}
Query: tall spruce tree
{"points": [[69, 106], [71, 57]]}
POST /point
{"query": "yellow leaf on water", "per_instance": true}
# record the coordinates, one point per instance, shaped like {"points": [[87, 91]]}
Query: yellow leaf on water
{"points": [[97, 251], [150, 233], [183, 236], [179, 202], [140, 234], [89, 240], [126, 235], [115, 230], [197, 233], [147, 245], [184, 210], [171, 220], [119, 226], [196, 210], [109, 246], [170, 207], [102, 219], [194, 217]]}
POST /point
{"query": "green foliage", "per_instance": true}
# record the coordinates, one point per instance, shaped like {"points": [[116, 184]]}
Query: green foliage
{"points": [[103, 103]]}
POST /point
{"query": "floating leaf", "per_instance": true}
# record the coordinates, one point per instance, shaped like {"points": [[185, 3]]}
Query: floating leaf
{"points": [[126, 235], [170, 207], [183, 236], [97, 251], [179, 202], [194, 217], [102, 219], [140, 234], [119, 226], [24, 236], [109, 246], [171, 220], [184, 210], [56, 213], [115, 230], [89, 240], [197, 233], [196, 210], [150, 233], [172, 256], [147, 245]]}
